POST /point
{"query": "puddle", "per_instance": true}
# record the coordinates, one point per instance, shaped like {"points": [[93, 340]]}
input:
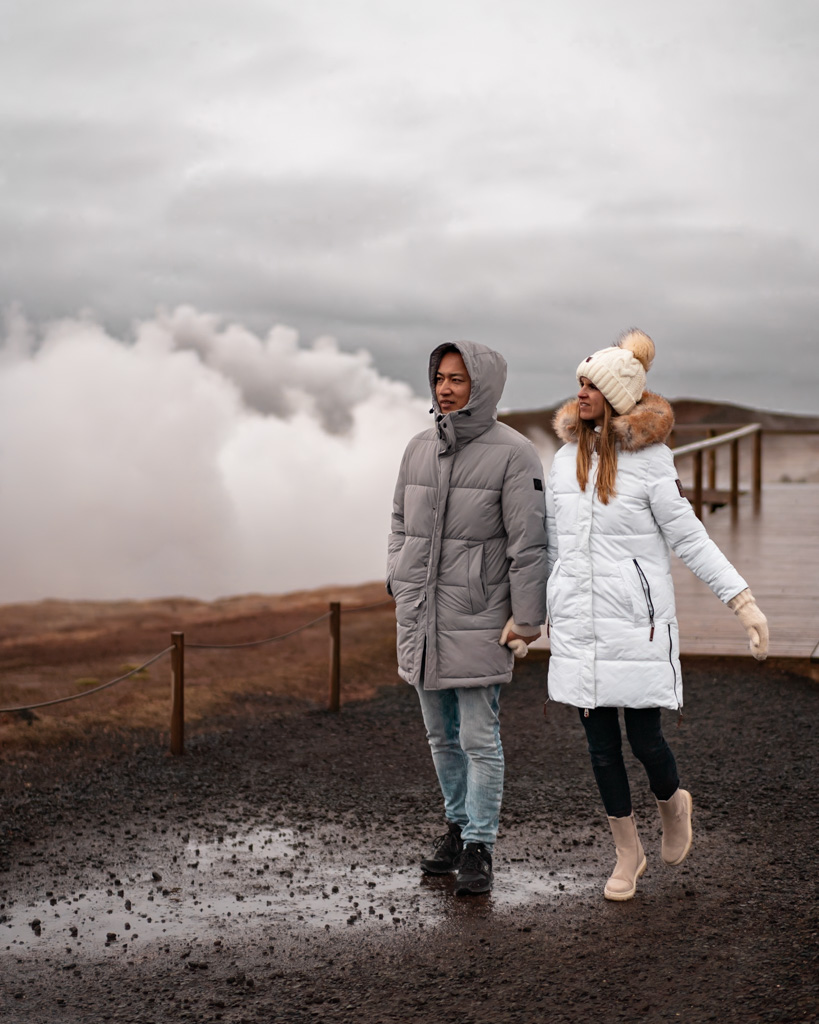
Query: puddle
{"points": [[279, 880]]}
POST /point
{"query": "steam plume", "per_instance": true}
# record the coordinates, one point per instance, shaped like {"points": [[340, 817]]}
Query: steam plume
{"points": [[192, 459]]}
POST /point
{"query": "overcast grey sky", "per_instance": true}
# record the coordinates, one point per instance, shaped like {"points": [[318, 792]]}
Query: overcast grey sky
{"points": [[196, 198], [531, 174]]}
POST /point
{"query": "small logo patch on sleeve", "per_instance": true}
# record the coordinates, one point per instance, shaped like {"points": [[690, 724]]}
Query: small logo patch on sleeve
{"points": [[538, 484], [678, 482]]}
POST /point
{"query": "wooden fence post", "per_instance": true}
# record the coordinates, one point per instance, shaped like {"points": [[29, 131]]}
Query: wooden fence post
{"points": [[712, 469], [734, 478], [335, 655], [697, 503], [757, 470], [178, 693]]}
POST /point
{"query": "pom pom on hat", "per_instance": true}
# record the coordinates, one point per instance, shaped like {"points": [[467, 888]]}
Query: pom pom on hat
{"points": [[640, 346], [619, 371]]}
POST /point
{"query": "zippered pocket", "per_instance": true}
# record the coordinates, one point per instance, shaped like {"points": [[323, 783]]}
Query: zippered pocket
{"points": [[551, 589], [476, 579], [647, 595], [640, 595]]}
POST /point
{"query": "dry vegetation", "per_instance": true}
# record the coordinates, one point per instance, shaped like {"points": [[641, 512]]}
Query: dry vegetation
{"points": [[51, 649]]}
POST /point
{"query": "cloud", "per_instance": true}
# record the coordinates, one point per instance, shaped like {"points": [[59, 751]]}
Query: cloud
{"points": [[300, 216], [535, 177], [143, 467], [274, 375]]}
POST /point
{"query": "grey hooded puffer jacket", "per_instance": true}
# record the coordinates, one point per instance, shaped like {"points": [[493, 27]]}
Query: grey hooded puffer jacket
{"points": [[468, 541]]}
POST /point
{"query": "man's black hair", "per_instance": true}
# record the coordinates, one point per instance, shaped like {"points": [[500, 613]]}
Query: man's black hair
{"points": [[446, 349]]}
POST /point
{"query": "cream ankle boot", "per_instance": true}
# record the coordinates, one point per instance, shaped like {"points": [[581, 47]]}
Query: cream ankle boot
{"points": [[631, 861], [676, 817]]}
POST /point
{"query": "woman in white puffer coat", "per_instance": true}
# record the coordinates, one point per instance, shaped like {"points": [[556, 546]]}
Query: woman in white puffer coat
{"points": [[614, 508]]}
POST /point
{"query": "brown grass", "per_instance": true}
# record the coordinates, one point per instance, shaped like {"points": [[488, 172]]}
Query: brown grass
{"points": [[51, 649]]}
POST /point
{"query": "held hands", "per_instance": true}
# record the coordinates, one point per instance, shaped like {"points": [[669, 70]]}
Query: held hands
{"points": [[753, 622], [517, 643]]}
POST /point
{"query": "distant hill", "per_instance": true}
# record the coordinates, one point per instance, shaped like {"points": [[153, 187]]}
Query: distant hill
{"points": [[687, 411]]}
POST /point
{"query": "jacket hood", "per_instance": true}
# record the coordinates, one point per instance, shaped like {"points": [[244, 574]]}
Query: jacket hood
{"points": [[487, 372], [649, 422]]}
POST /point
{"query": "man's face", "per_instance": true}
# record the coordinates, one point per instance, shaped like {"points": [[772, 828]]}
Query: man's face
{"points": [[452, 383]]}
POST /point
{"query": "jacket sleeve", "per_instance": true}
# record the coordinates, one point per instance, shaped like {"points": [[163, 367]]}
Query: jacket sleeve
{"points": [[523, 509], [397, 532], [684, 533]]}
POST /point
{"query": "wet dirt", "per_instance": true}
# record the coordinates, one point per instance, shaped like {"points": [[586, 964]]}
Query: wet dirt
{"points": [[271, 873]]}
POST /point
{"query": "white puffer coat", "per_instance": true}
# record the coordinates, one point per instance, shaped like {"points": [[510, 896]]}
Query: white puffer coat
{"points": [[611, 611]]}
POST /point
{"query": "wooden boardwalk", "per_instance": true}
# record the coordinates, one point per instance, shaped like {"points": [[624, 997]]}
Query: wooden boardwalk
{"points": [[777, 552]]}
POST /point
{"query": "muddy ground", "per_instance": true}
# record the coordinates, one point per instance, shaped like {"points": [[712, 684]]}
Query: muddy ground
{"points": [[271, 873]]}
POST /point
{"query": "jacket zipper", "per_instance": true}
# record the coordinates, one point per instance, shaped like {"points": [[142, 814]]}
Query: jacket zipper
{"points": [[671, 663], [647, 595]]}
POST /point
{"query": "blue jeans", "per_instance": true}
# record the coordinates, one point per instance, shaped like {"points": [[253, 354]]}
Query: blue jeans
{"points": [[463, 730], [645, 735]]}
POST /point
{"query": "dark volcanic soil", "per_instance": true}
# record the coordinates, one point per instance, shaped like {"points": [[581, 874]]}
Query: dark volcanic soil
{"points": [[270, 874]]}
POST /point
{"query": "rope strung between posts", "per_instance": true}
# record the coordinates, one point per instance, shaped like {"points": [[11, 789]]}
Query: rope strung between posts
{"points": [[257, 643], [87, 693], [201, 647], [367, 607]]}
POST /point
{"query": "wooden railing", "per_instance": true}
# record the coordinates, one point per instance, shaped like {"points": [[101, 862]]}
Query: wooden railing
{"points": [[709, 446]]}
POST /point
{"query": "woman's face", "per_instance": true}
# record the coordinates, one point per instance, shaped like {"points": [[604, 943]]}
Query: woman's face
{"points": [[591, 402]]}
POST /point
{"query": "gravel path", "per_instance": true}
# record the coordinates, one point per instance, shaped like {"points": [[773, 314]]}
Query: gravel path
{"points": [[270, 875]]}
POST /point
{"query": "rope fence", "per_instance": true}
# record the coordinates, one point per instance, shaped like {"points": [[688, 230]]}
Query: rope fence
{"points": [[176, 649], [258, 643], [87, 693]]}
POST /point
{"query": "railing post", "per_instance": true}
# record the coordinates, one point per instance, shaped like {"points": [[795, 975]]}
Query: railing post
{"points": [[698, 484], [757, 470], [735, 476], [733, 437], [712, 468], [335, 655], [178, 694]]}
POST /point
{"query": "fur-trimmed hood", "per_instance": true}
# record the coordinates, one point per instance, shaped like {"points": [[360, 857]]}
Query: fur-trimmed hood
{"points": [[650, 422]]}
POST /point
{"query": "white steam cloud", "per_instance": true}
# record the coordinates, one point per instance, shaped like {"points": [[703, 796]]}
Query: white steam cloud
{"points": [[192, 460]]}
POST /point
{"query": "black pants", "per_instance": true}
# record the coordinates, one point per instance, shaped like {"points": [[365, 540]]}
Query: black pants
{"points": [[645, 735]]}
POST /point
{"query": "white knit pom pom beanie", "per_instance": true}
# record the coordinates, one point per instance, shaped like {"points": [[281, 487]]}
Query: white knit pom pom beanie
{"points": [[619, 371]]}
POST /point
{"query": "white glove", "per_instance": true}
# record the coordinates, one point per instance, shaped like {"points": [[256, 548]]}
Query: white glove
{"points": [[518, 646], [753, 622]]}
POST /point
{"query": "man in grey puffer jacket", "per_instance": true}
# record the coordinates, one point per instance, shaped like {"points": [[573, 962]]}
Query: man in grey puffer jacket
{"points": [[467, 569]]}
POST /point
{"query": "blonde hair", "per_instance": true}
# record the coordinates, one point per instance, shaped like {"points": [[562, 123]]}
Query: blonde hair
{"points": [[604, 442]]}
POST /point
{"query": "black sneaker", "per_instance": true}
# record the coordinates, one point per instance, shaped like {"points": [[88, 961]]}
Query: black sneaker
{"points": [[445, 852], [474, 871]]}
